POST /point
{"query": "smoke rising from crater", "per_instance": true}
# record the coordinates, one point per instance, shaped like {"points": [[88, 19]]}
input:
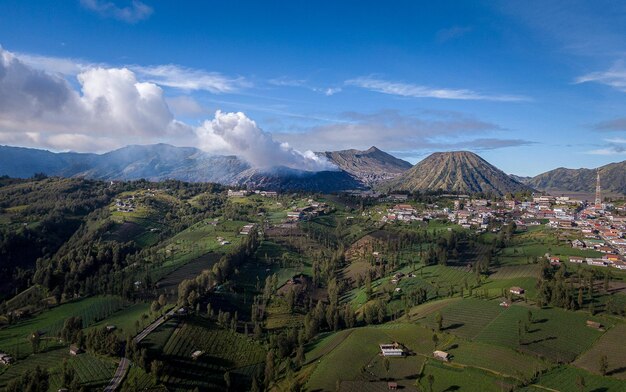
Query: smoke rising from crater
{"points": [[239, 135]]}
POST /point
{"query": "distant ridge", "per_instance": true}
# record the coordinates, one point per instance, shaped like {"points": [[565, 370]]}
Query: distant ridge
{"points": [[371, 166], [458, 171], [612, 178]]}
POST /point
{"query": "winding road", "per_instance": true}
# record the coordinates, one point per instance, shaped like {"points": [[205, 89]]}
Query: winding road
{"points": [[124, 364]]}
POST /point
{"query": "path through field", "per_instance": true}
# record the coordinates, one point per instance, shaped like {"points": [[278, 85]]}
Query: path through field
{"points": [[122, 368]]}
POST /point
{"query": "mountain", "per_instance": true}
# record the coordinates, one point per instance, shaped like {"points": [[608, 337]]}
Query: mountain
{"points": [[162, 161], [612, 179], [458, 171], [284, 178], [521, 179], [371, 166]]}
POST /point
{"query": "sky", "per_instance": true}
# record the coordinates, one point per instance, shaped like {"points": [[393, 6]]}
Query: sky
{"points": [[528, 85]]}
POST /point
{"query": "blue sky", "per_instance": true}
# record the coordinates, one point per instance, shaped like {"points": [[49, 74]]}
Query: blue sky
{"points": [[529, 85]]}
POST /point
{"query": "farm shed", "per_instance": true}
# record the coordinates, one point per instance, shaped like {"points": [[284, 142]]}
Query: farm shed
{"points": [[75, 350], [594, 324], [392, 350], [516, 290], [441, 355]]}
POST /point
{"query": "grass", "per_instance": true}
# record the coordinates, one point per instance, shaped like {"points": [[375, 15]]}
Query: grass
{"points": [[555, 334], [497, 359], [450, 378], [494, 288], [51, 360], [564, 379], [13, 339], [610, 344], [92, 370], [223, 350], [125, 319], [467, 318]]}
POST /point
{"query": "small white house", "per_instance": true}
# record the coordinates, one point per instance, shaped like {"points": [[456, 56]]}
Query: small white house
{"points": [[392, 350], [441, 355]]}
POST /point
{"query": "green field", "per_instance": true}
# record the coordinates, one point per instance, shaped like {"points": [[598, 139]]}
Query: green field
{"points": [[563, 379], [554, 334], [125, 319], [611, 344], [13, 338], [223, 350], [467, 318], [451, 378]]}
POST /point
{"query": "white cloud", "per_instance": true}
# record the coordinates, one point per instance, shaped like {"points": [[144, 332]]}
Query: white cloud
{"points": [[236, 133], [133, 13], [112, 108], [417, 91], [393, 131], [614, 77], [170, 75], [185, 105], [190, 79]]}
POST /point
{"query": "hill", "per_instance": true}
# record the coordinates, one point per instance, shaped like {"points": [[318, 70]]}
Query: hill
{"points": [[162, 161], [371, 166], [612, 178], [458, 171]]}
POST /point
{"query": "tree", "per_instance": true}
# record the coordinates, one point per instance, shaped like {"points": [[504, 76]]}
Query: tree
{"points": [[227, 380], [35, 341], [386, 364], [300, 356], [156, 368], [580, 383], [254, 386], [604, 364], [431, 381], [439, 321], [269, 367], [435, 339]]}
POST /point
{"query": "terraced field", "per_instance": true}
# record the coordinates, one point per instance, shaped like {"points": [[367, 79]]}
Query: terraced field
{"points": [[555, 334], [93, 371], [467, 318], [498, 359], [563, 379], [450, 378], [223, 350], [611, 344], [13, 339]]}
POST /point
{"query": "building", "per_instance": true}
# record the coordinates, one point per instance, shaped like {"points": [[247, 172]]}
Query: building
{"points": [[247, 229], [5, 359], [232, 193], [196, 354], [516, 290], [575, 259], [594, 324], [441, 355], [392, 350], [75, 350]]}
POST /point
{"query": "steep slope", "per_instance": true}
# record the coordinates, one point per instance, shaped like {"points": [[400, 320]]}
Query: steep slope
{"points": [[282, 178], [371, 166], [162, 161], [23, 162], [612, 179], [459, 171]]}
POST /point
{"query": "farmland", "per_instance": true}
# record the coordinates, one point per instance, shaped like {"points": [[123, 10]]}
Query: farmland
{"points": [[610, 344], [305, 304], [223, 350], [13, 339], [554, 334]]}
